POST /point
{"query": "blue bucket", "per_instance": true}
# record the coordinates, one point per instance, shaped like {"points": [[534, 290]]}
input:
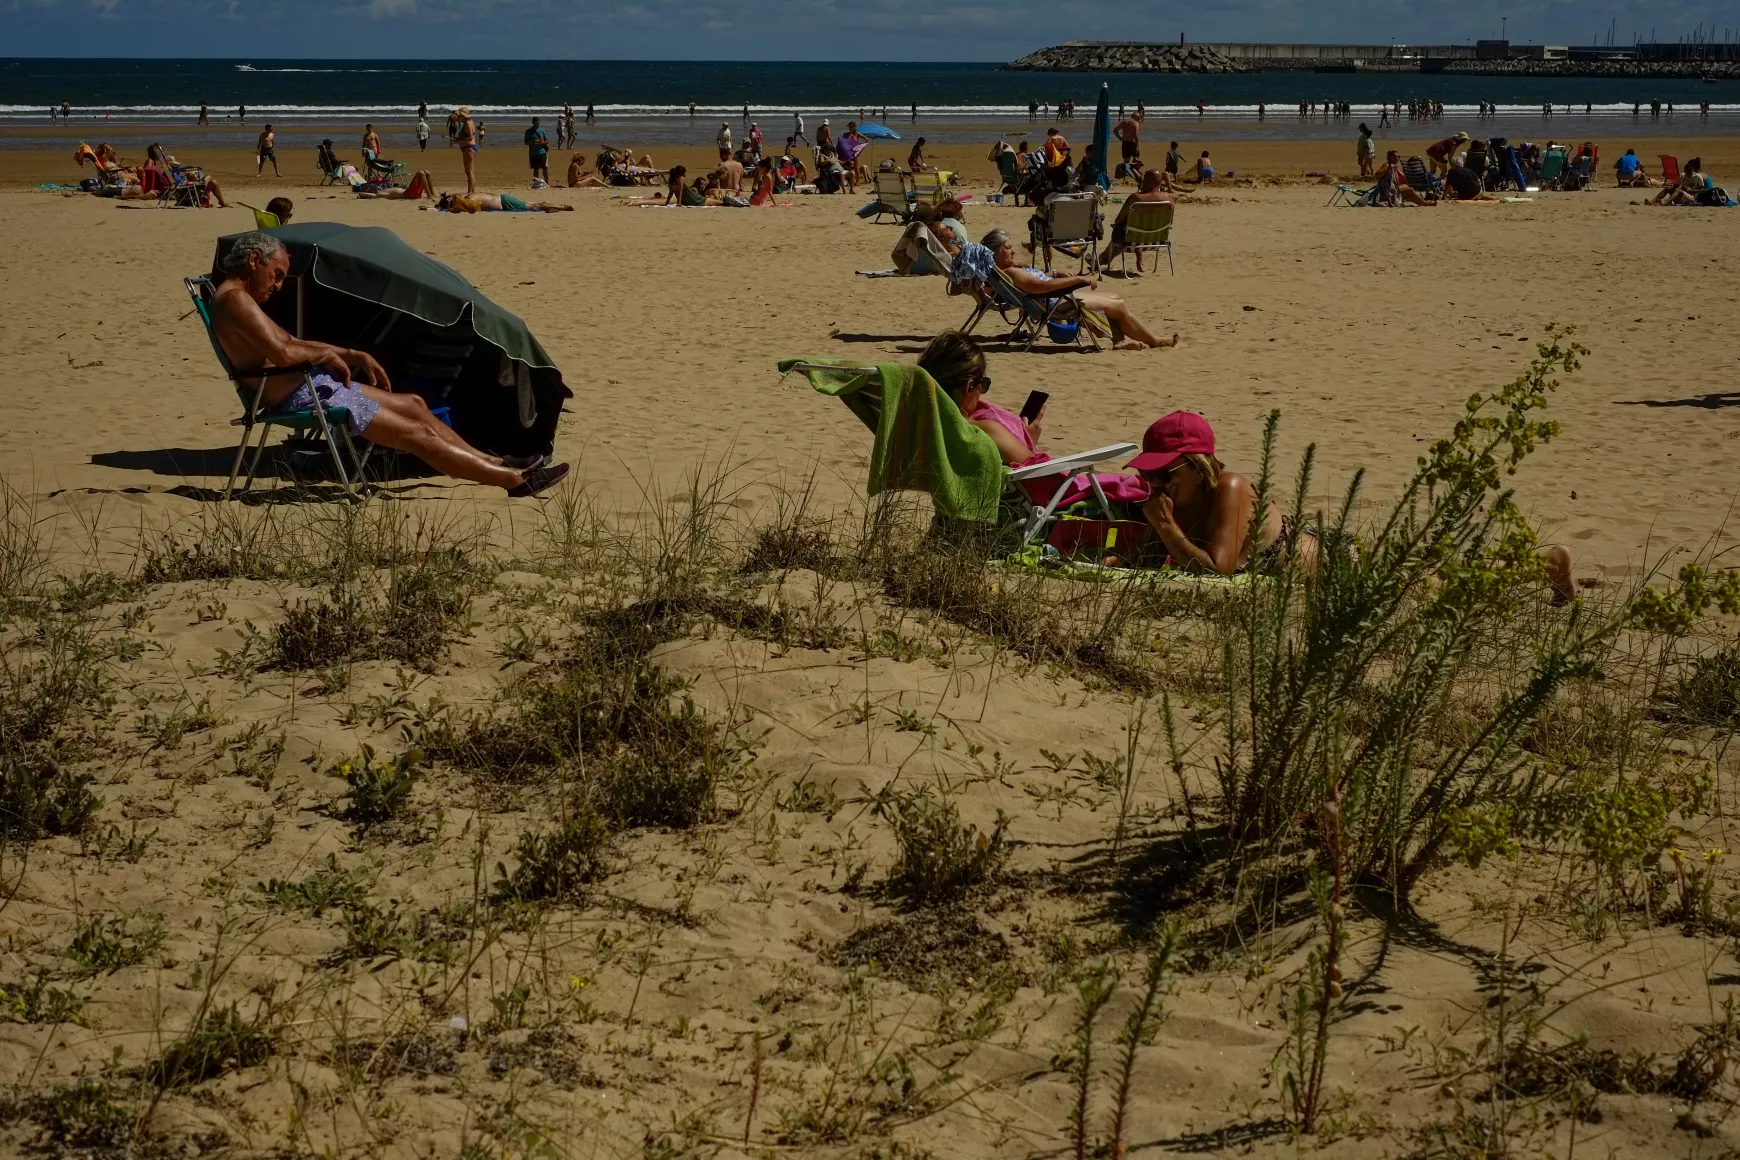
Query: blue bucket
{"points": [[1063, 333]]}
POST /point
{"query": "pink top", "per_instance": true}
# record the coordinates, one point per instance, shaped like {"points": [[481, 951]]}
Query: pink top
{"points": [[1118, 488]]}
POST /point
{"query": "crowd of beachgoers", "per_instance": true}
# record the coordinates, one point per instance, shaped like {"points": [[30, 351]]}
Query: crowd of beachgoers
{"points": [[1178, 490]]}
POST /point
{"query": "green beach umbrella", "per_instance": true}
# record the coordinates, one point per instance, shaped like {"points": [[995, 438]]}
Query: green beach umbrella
{"points": [[1102, 167]]}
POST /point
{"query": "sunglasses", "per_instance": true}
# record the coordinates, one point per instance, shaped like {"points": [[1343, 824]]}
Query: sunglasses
{"points": [[984, 382]]}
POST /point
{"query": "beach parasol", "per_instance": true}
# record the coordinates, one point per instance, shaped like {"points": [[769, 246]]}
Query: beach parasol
{"points": [[878, 132], [364, 287], [1102, 141]]}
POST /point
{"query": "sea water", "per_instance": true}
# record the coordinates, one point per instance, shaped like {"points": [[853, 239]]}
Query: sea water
{"points": [[647, 103]]}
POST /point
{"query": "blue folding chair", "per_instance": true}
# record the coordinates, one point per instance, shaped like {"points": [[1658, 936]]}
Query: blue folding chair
{"points": [[330, 422]]}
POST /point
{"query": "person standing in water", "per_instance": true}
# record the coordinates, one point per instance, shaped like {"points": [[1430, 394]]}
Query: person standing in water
{"points": [[423, 129], [204, 115]]}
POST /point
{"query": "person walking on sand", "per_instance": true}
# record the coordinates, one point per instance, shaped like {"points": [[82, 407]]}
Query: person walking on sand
{"points": [[266, 150], [371, 142], [1365, 150], [1129, 134], [723, 140], [422, 132], [798, 128], [465, 136]]}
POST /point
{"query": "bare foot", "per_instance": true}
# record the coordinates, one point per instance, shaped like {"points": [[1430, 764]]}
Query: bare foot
{"points": [[1128, 344], [1165, 343]]}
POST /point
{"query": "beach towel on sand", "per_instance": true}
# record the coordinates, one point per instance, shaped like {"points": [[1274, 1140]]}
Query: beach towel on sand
{"points": [[922, 441]]}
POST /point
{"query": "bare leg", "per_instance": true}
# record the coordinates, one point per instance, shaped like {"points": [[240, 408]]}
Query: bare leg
{"points": [[211, 187], [1123, 321], [468, 158], [406, 424], [1558, 562], [551, 207]]}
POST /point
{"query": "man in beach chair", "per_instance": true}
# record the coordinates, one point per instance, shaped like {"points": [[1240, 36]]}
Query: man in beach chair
{"points": [[309, 385], [1144, 224], [979, 463]]}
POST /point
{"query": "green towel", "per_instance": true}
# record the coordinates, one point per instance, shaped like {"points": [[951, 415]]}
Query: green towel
{"points": [[922, 441]]}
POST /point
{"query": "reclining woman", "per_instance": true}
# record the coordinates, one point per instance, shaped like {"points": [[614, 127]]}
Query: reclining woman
{"points": [[1128, 331], [420, 188], [254, 270], [957, 364]]}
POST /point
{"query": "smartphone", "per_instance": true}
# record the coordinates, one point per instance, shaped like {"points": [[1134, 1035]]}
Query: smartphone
{"points": [[1035, 403]]}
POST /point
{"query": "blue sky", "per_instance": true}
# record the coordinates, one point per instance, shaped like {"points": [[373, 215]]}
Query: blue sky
{"points": [[919, 30]]}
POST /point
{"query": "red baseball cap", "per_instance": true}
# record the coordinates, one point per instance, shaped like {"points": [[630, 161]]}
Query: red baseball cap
{"points": [[1171, 437]]}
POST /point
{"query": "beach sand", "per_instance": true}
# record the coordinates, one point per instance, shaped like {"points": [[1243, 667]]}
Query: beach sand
{"points": [[709, 952], [1365, 330]]}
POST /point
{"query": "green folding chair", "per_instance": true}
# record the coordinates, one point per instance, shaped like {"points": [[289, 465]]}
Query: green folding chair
{"points": [[262, 219], [329, 422], [1146, 229]]}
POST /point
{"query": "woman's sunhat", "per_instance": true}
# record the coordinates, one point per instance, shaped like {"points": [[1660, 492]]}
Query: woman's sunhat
{"points": [[1171, 437]]}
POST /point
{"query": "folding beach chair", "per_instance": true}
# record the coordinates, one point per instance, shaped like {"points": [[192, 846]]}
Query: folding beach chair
{"points": [[186, 187], [329, 422], [1420, 179], [262, 219], [1348, 195], [891, 196], [329, 164], [1072, 226], [380, 167], [862, 394], [1148, 229], [1029, 316], [1552, 167], [928, 190], [1670, 169]]}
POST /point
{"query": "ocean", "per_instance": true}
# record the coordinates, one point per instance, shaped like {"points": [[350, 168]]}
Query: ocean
{"points": [[647, 103]]}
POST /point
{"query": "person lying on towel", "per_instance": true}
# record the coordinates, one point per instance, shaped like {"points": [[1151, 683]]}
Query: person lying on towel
{"points": [[254, 270], [495, 203]]}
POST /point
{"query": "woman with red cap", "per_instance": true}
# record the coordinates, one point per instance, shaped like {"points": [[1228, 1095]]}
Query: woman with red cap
{"points": [[1203, 512], [1200, 510]]}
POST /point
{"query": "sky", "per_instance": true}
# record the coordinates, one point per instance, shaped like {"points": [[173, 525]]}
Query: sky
{"points": [[821, 30]]}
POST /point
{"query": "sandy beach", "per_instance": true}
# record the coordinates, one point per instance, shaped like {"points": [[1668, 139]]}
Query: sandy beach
{"points": [[720, 992], [1365, 330]]}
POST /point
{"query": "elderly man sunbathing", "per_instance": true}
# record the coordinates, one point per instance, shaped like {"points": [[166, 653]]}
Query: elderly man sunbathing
{"points": [[254, 270]]}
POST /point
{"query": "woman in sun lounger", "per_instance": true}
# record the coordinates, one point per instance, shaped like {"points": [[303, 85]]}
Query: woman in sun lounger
{"points": [[254, 270], [495, 203], [1128, 331], [957, 364], [421, 187]]}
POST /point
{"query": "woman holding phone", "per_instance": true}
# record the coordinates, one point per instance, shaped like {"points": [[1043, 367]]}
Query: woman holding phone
{"points": [[957, 364]]}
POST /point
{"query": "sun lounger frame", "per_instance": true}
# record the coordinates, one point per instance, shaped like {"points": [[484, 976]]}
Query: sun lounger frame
{"points": [[1038, 515]]}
